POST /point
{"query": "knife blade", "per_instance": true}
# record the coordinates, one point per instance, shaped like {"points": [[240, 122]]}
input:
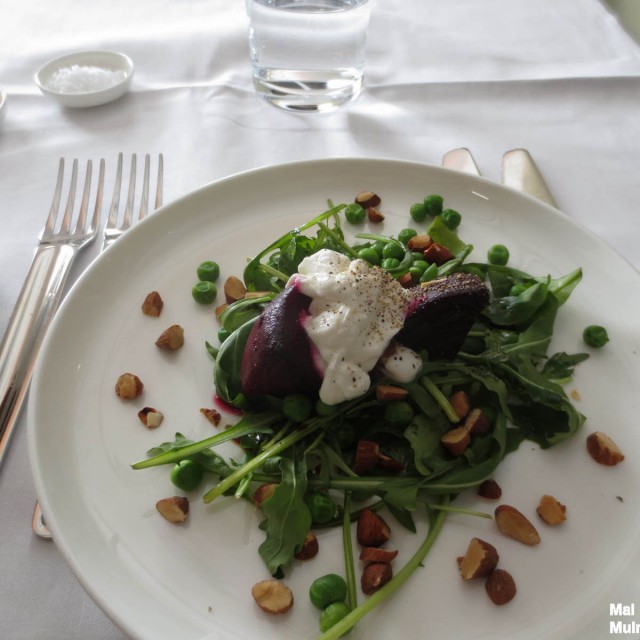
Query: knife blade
{"points": [[520, 172]]}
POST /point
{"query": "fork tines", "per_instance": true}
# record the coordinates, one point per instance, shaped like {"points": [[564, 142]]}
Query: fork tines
{"points": [[116, 224]]}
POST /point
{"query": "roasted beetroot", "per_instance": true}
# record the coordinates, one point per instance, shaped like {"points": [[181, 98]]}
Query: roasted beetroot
{"points": [[443, 313], [278, 356]]}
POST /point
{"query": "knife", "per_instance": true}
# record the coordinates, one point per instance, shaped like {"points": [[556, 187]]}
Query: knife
{"points": [[520, 172]]}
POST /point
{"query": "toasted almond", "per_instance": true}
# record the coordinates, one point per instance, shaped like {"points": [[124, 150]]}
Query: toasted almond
{"points": [[460, 403], [420, 243], [174, 509], [212, 416], [128, 386], [263, 492], [150, 417], [171, 339], [367, 199], [234, 289], [479, 560], [437, 254], [272, 596], [371, 530], [367, 456], [309, 548], [500, 587], [516, 525], [456, 440], [551, 511], [388, 392], [374, 576], [374, 215], [477, 422], [152, 305], [490, 489], [219, 310], [375, 554], [603, 449]]}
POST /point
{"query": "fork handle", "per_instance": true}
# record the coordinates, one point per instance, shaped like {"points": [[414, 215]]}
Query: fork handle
{"points": [[37, 303]]}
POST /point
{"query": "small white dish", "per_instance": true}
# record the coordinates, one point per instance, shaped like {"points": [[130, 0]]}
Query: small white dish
{"points": [[86, 78]]}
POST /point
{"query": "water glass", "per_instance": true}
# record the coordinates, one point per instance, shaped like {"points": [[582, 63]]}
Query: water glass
{"points": [[308, 55]]}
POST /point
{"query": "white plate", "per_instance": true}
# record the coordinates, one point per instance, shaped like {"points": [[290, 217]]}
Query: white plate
{"points": [[3, 103], [161, 581], [78, 90]]}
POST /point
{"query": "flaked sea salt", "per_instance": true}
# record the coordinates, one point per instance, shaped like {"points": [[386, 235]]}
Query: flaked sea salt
{"points": [[84, 79]]}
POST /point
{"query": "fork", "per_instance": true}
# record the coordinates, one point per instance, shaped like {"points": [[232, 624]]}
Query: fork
{"points": [[59, 243], [114, 228]]}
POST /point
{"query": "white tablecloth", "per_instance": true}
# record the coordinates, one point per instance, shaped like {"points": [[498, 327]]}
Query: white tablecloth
{"points": [[559, 77]]}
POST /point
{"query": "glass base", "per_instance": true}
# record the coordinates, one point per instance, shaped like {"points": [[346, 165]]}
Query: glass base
{"points": [[308, 91]]}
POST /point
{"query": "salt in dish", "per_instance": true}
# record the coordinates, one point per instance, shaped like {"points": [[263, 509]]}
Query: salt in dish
{"points": [[86, 79]]}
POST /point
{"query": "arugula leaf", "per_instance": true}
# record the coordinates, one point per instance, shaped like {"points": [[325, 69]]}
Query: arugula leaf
{"points": [[287, 517]]}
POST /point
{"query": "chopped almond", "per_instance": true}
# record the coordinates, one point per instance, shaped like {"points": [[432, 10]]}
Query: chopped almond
{"points": [[234, 289], [128, 386], [460, 403], [603, 449], [272, 596], [152, 305], [490, 489], [374, 576], [479, 561], [174, 509], [500, 587], [388, 392], [477, 422], [150, 417], [309, 548], [456, 440], [372, 530], [375, 554], [212, 416], [171, 339], [516, 525], [551, 511]]}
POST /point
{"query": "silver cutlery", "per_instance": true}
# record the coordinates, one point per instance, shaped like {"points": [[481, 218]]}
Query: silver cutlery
{"points": [[461, 160], [59, 243], [115, 226], [520, 172]]}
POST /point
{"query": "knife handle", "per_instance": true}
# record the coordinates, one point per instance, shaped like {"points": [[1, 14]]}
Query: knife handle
{"points": [[36, 306]]}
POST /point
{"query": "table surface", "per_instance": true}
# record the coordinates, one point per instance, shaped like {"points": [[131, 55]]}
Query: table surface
{"points": [[561, 79]]}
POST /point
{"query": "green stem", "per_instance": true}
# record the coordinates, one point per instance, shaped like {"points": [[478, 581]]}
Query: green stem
{"points": [[440, 398], [349, 567], [231, 480], [462, 510], [342, 626], [237, 431], [338, 240]]}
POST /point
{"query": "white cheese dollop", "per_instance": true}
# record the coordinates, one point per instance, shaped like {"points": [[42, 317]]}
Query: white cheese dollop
{"points": [[355, 312]]}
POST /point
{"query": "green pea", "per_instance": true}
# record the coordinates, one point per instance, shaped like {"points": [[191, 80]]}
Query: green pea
{"points": [[204, 292], [418, 211], [398, 413], [433, 205], [390, 263], [393, 250], [354, 213], [379, 245], [517, 289], [370, 255], [421, 264], [595, 336], [323, 409], [416, 273], [208, 270], [187, 475], [327, 589], [332, 615], [406, 234], [417, 255], [296, 407], [321, 507], [498, 254], [451, 218]]}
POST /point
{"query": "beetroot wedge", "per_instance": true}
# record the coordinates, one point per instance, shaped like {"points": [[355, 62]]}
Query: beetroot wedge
{"points": [[278, 356], [443, 313]]}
